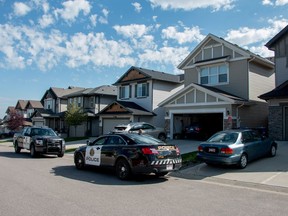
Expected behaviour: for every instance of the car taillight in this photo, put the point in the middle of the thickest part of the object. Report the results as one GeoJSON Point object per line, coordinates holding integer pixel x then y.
{"type": "Point", "coordinates": [198, 129]}
{"type": "Point", "coordinates": [200, 148]}
{"type": "Point", "coordinates": [149, 151]}
{"type": "Point", "coordinates": [226, 151]}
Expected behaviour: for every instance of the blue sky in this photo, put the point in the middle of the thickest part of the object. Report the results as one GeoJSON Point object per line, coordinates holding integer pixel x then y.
{"type": "Point", "coordinates": [88, 43]}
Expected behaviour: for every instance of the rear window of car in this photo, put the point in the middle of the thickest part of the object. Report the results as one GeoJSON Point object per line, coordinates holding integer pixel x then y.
{"type": "Point", "coordinates": [120, 128]}
{"type": "Point", "coordinates": [144, 139]}
{"type": "Point", "coordinates": [224, 137]}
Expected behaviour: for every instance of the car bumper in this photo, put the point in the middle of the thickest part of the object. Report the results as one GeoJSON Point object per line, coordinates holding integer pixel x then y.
{"type": "Point", "coordinates": [50, 149]}
{"type": "Point", "coordinates": [158, 166]}
{"type": "Point", "coordinates": [230, 160]}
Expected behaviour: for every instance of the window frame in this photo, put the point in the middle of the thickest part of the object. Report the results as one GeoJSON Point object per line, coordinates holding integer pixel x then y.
{"type": "Point", "coordinates": [213, 74]}
{"type": "Point", "coordinates": [125, 95]}
{"type": "Point", "coordinates": [143, 90]}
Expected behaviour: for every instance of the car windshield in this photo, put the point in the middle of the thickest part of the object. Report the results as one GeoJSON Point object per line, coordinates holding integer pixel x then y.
{"type": "Point", "coordinates": [144, 139]}
{"type": "Point", "coordinates": [43, 132]}
{"type": "Point", "coordinates": [224, 137]}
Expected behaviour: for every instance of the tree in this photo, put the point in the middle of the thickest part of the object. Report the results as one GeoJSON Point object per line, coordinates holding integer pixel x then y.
{"type": "Point", "coordinates": [15, 121]}
{"type": "Point", "coordinates": [75, 116]}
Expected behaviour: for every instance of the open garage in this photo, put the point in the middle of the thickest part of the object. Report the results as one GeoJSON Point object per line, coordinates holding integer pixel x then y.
{"type": "Point", "coordinates": [209, 123]}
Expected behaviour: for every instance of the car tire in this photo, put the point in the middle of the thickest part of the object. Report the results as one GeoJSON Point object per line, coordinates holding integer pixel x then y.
{"type": "Point", "coordinates": [79, 161]}
{"type": "Point", "coordinates": [17, 148]}
{"type": "Point", "coordinates": [273, 150]}
{"type": "Point", "coordinates": [60, 155]}
{"type": "Point", "coordinates": [160, 174]}
{"type": "Point", "coordinates": [162, 137]}
{"type": "Point", "coordinates": [33, 152]}
{"type": "Point", "coordinates": [123, 170]}
{"type": "Point", "coordinates": [243, 161]}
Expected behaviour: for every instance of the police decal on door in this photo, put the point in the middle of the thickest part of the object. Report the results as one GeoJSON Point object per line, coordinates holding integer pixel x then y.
{"type": "Point", "coordinates": [93, 155]}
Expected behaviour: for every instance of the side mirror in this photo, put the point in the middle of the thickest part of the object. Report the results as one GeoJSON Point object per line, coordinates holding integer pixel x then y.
{"type": "Point", "coordinates": [88, 142]}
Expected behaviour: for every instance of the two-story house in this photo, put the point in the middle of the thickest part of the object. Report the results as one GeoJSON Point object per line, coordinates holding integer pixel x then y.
{"type": "Point", "coordinates": [20, 108]}
{"type": "Point", "coordinates": [278, 97]}
{"type": "Point", "coordinates": [91, 101]}
{"type": "Point", "coordinates": [140, 91]}
{"type": "Point", "coordinates": [31, 106]}
{"type": "Point", "coordinates": [222, 84]}
{"type": "Point", "coordinates": [54, 106]}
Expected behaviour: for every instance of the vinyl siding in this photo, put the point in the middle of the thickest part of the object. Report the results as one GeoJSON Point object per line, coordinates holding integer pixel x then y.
{"type": "Point", "coordinates": [281, 70]}
{"type": "Point", "coordinates": [261, 80]}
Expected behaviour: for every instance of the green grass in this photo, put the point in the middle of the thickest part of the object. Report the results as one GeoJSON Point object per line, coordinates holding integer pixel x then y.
{"type": "Point", "coordinates": [189, 158]}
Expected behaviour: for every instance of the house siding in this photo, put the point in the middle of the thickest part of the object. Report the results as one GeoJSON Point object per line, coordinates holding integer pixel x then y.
{"type": "Point", "coordinates": [282, 69]}
{"type": "Point", "coordinates": [275, 125]}
{"type": "Point", "coordinates": [260, 81]}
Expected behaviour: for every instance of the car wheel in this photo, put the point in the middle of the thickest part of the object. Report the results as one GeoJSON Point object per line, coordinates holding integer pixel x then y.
{"type": "Point", "coordinates": [33, 153]}
{"type": "Point", "coordinates": [273, 150]}
{"type": "Point", "coordinates": [123, 171]}
{"type": "Point", "coordinates": [79, 161]}
{"type": "Point", "coordinates": [243, 161]}
{"type": "Point", "coordinates": [60, 155]}
{"type": "Point", "coordinates": [162, 137]}
{"type": "Point", "coordinates": [161, 174]}
{"type": "Point", "coordinates": [17, 148]}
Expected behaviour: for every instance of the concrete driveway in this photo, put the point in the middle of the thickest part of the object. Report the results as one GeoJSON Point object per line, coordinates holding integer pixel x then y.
{"type": "Point", "coordinates": [266, 171]}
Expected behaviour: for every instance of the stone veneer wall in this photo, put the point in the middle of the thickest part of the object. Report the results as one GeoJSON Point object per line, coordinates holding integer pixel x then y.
{"type": "Point", "coordinates": [275, 125]}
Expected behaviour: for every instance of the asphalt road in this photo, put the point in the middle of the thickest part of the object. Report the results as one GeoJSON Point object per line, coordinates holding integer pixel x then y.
{"type": "Point", "coordinates": [52, 186]}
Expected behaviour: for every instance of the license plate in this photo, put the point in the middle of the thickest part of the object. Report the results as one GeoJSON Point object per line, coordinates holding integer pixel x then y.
{"type": "Point", "coordinates": [169, 167]}
{"type": "Point", "coordinates": [212, 150]}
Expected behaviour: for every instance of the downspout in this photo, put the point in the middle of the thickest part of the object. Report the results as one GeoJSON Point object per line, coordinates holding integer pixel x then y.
{"type": "Point", "coordinates": [237, 115]}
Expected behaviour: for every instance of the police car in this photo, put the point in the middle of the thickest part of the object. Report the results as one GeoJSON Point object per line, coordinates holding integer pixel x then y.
{"type": "Point", "coordinates": [129, 154]}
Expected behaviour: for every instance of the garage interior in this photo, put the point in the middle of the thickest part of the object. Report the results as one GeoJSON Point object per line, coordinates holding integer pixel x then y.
{"type": "Point", "coordinates": [211, 122]}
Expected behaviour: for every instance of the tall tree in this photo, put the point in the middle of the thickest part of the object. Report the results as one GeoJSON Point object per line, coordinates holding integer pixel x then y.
{"type": "Point", "coordinates": [75, 116]}
{"type": "Point", "coordinates": [15, 120]}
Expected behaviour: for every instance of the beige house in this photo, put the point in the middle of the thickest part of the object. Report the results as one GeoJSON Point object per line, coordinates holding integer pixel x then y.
{"type": "Point", "coordinates": [140, 91]}
{"type": "Point", "coordinates": [278, 97]}
{"type": "Point", "coordinates": [221, 82]}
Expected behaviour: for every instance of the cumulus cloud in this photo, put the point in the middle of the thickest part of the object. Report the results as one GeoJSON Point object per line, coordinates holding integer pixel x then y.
{"type": "Point", "coordinates": [216, 5]}
{"type": "Point", "coordinates": [275, 2]}
{"type": "Point", "coordinates": [46, 20]}
{"type": "Point", "coordinates": [132, 31]}
{"type": "Point", "coordinates": [93, 19]}
{"type": "Point", "coordinates": [21, 9]}
{"type": "Point", "coordinates": [104, 19]}
{"type": "Point", "coordinates": [137, 6]}
{"type": "Point", "coordinates": [72, 8]}
{"type": "Point", "coordinates": [189, 35]}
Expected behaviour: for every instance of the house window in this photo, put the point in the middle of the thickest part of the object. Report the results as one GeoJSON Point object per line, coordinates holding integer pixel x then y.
{"type": "Point", "coordinates": [142, 90]}
{"type": "Point", "coordinates": [79, 102]}
{"type": "Point", "coordinates": [125, 92]}
{"type": "Point", "coordinates": [91, 99]}
{"type": "Point", "coordinates": [70, 101]}
{"type": "Point", "coordinates": [214, 75]}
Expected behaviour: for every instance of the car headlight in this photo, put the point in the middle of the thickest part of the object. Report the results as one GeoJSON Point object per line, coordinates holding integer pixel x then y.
{"type": "Point", "coordinates": [39, 142]}
{"type": "Point", "coordinates": [63, 142]}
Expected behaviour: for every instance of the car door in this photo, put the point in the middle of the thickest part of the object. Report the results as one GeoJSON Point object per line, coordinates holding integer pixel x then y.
{"type": "Point", "coordinates": [26, 138]}
{"type": "Point", "coordinates": [111, 149]}
{"type": "Point", "coordinates": [93, 152]}
{"type": "Point", "coordinates": [149, 129]}
{"type": "Point", "coordinates": [250, 144]}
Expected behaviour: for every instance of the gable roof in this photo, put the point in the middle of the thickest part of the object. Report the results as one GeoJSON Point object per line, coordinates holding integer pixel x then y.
{"type": "Point", "coordinates": [279, 92]}
{"type": "Point", "coordinates": [278, 36]}
{"type": "Point", "coordinates": [100, 90]}
{"type": "Point", "coordinates": [10, 109]}
{"type": "Point", "coordinates": [34, 104]}
{"type": "Point", "coordinates": [21, 104]}
{"type": "Point", "coordinates": [126, 108]}
{"type": "Point", "coordinates": [245, 53]}
{"type": "Point", "coordinates": [152, 74]}
{"type": "Point", "coordinates": [61, 92]}
{"type": "Point", "coordinates": [212, 91]}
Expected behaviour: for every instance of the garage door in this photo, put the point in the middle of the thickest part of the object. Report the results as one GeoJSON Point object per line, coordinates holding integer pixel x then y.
{"type": "Point", "coordinates": [109, 124]}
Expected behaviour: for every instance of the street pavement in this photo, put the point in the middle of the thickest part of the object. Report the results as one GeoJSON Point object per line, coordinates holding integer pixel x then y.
{"type": "Point", "coordinates": [266, 172]}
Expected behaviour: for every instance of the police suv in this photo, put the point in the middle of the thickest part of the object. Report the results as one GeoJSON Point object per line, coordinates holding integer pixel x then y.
{"type": "Point", "coordinates": [39, 140]}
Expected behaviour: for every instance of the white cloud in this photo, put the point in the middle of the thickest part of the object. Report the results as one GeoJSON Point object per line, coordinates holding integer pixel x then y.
{"type": "Point", "coordinates": [72, 8]}
{"type": "Point", "coordinates": [193, 4]}
{"type": "Point", "coordinates": [93, 19]}
{"type": "Point", "coordinates": [276, 3]}
{"type": "Point", "coordinates": [104, 19]}
{"type": "Point", "coordinates": [132, 31]}
{"type": "Point", "coordinates": [188, 35]}
{"type": "Point", "coordinates": [21, 9]}
{"type": "Point", "coordinates": [154, 18]}
{"type": "Point", "coordinates": [137, 7]}
{"type": "Point", "coordinates": [246, 36]}
{"type": "Point", "coordinates": [46, 20]}
{"type": "Point", "coordinates": [165, 55]}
